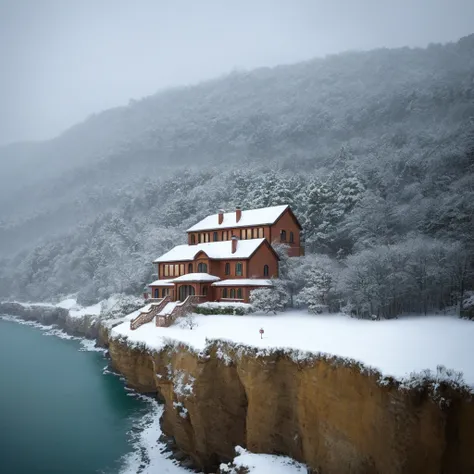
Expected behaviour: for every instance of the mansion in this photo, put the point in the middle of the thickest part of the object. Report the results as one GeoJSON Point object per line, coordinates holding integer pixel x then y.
{"type": "Point", "coordinates": [228, 254]}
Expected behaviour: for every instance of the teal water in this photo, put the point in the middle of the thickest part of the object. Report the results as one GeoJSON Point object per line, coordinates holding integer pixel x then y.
{"type": "Point", "coordinates": [59, 412]}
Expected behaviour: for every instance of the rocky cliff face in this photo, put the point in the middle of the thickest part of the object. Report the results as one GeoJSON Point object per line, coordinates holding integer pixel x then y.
{"type": "Point", "coordinates": [336, 417]}
{"type": "Point", "coordinates": [44, 314]}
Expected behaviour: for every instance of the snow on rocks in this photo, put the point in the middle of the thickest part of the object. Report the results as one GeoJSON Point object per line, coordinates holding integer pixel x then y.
{"type": "Point", "coordinates": [396, 348]}
{"type": "Point", "coordinates": [262, 464]}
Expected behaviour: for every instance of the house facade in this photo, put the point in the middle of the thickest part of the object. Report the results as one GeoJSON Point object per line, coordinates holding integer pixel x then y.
{"type": "Point", "coordinates": [227, 255]}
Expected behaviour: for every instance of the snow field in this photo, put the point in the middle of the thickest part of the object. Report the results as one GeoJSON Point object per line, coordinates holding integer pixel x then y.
{"type": "Point", "coordinates": [396, 347]}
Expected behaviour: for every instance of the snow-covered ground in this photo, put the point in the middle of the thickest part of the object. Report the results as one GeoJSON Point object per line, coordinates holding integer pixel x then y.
{"type": "Point", "coordinates": [395, 347]}
{"type": "Point", "coordinates": [263, 464]}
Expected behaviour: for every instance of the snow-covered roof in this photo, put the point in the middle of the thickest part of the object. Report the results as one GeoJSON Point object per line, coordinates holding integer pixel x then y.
{"type": "Point", "coordinates": [196, 277]}
{"type": "Point", "coordinates": [252, 217]}
{"type": "Point", "coordinates": [215, 250]}
{"type": "Point", "coordinates": [243, 282]}
{"type": "Point", "coordinates": [161, 283]}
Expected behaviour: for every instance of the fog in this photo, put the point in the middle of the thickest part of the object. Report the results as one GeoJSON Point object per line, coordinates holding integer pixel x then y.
{"type": "Point", "coordinates": [62, 61]}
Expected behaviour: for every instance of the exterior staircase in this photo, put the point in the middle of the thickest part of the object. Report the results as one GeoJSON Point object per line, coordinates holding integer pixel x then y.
{"type": "Point", "coordinates": [172, 311]}
{"type": "Point", "coordinates": [149, 312]}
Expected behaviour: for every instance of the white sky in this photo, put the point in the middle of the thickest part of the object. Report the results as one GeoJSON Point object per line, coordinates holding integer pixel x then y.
{"type": "Point", "coordinates": [62, 60]}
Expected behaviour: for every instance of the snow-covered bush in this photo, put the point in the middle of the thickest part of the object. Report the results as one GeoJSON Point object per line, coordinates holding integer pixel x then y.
{"type": "Point", "coordinates": [188, 322]}
{"type": "Point", "coordinates": [269, 299]}
{"type": "Point", "coordinates": [211, 308]}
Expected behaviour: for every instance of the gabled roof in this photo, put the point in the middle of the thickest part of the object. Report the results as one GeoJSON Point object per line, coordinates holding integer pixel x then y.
{"type": "Point", "coordinates": [214, 250]}
{"type": "Point", "coordinates": [252, 217]}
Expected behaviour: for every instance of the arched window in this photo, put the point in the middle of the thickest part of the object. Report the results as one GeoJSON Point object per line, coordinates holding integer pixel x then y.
{"type": "Point", "coordinates": [190, 268]}
{"type": "Point", "coordinates": [239, 293]}
{"type": "Point", "coordinates": [283, 235]}
{"type": "Point", "coordinates": [232, 293]}
{"type": "Point", "coordinates": [193, 239]}
{"type": "Point", "coordinates": [292, 238]}
{"type": "Point", "coordinates": [224, 292]}
{"type": "Point", "coordinates": [202, 267]}
{"type": "Point", "coordinates": [227, 268]}
{"type": "Point", "coordinates": [157, 293]}
{"type": "Point", "coordinates": [163, 292]}
{"type": "Point", "coordinates": [265, 270]}
{"type": "Point", "coordinates": [215, 236]}
{"type": "Point", "coordinates": [238, 269]}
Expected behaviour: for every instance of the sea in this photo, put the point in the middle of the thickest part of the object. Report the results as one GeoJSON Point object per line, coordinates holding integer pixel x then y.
{"type": "Point", "coordinates": [63, 411]}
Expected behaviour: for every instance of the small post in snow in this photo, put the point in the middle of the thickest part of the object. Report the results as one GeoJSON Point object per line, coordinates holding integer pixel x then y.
{"type": "Point", "coordinates": [261, 333]}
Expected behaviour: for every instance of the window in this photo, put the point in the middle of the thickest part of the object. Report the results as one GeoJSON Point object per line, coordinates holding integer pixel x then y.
{"type": "Point", "coordinates": [238, 269]}
{"type": "Point", "coordinates": [199, 238]}
{"type": "Point", "coordinates": [260, 232]}
{"type": "Point", "coordinates": [181, 269]}
{"type": "Point", "coordinates": [249, 233]}
{"type": "Point", "coordinates": [254, 233]}
{"type": "Point", "coordinates": [242, 234]}
{"type": "Point", "coordinates": [232, 293]}
{"type": "Point", "coordinates": [204, 291]}
{"type": "Point", "coordinates": [166, 272]}
{"type": "Point", "coordinates": [227, 268]}
{"type": "Point", "coordinates": [239, 293]}
{"type": "Point", "coordinates": [157, 293]}
{"type": "Point", "coordinates": [176, 270]}
{"type": "Point", "coordinates": [224, 292]}
{"type": "Point", "coordinates": [292, 238]}
{"type": "Point", "coordinates": [202, 267]}
{"type": "Point", "coordinates": [224, 235]}
{"type": "Point", "coordinates": [215, 237]}
{"type": "Point", "coordinates": [265, 270]}
{"type": "Point", "coordinates": [163, 292]}
{"type": "Point", "coordinates": [172, 270]}
{"type": "Point", "coordinates": [193, 239]}
{"type": "Point", "coordinates": [283, 235]}
{"type": "Point", "coordinates": [190, 268]}
{"type": "Point", "coordinates": [206, 237]}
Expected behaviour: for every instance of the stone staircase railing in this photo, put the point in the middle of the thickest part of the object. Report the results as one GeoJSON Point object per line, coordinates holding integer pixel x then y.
{"type": "Point", "coordinates": [147, 316]}
{"type": "Point", "coordinates": [180, 309]}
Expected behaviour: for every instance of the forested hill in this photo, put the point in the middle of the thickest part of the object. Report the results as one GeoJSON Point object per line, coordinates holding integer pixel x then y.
{"type": "Point", "coordinates": [371, 148]}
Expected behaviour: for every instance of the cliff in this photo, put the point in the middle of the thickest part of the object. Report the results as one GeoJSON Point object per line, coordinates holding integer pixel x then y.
{"type": "Point", "coordinates": [333, 414]}
{"type": "Point", "coordinates": [336, 416]}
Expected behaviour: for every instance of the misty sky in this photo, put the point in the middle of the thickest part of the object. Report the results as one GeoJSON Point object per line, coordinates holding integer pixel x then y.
{"type": "Point", "coordinates": [62, 60]}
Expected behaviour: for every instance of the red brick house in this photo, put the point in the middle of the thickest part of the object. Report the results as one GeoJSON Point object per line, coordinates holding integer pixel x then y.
{"type": "Point", "coordinates": [228, 255]}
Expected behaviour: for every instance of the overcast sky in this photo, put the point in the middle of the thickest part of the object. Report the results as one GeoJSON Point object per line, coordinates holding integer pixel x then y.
{"type": "Point", "coordinates": [62, 60]}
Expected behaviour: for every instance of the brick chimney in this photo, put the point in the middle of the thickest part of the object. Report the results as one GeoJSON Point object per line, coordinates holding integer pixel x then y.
{"type": "Point", "coordinates": [234, 243]}
{"type": "Point", "coordinates": [220, 216]}
{"type": "Point", "coordinates": [238, 214]}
